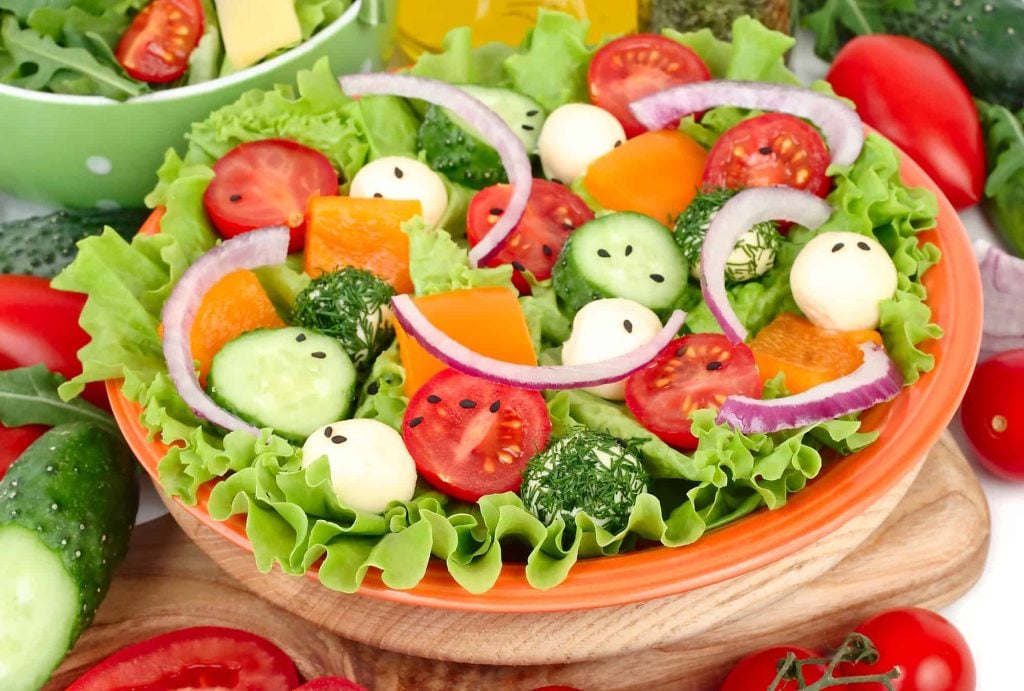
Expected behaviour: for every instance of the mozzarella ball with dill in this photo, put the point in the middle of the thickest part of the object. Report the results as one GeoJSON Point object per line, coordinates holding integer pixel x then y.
{"type": "Point", "coordinates": [351, 305]}
{"type": "Point", "coordinates": [586, 471]}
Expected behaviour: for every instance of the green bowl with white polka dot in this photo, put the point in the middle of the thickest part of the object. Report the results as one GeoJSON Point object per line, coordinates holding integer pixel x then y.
{"type": "Point", "coordinates": [89, 151]}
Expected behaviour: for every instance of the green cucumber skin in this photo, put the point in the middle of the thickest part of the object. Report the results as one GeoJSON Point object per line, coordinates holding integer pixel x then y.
{"type": "Point", "coordinates": [44, 245]}
{"type": "Point", "coordinates": [458, 155]}
{"type": "Point", "coordinates": [75, 487]}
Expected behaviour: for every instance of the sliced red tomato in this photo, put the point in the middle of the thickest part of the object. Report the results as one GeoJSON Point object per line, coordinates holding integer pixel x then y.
{"type": "Point", "coordinates": [331, 684]}
{"type": "Point", "coordinates": [993, 414]}
{"type": "Point", "coordinates": [767, 150]}
{"type": "Point", "coordinates": [156, 46]}
{"type": "Point", "coordinates": [631, 67]}
{"type": "Point", "coordinates": [693, 372]}
{"type": "Point", "coordinates": [267, 182]}
{"type": "Point", "coordinates": [200, 658]}
{"type": "Point", "coordinates": [758, 670]}
{"type": "Point", "coordinates": [470, 437]}
{"type": "Point", "coordinates": [14, 441]}
{"type": "Point", "coordinates": [552, 213]}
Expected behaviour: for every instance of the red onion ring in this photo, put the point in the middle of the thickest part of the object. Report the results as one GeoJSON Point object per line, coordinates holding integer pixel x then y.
{"type": "Point", "coordinates": [1002, 283]}
{"type": "Point", "coordinates": [748, 208]}
{"type": "Point", "coordinates": [459, 357]}
{"type": "Point", "coordinates": [875, 381]}
{"type": "Point", "coordinates": [249, 250]}
{"type": "Point", "coordinates": [491, 128]}
{"type": "Point", "coordinates": [842, 127]}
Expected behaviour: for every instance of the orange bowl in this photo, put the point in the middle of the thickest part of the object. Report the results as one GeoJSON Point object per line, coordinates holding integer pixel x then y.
{"type": "Point", "coordinates": [909, 426]}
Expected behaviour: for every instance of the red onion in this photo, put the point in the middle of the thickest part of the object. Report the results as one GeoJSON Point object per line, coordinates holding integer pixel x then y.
{"type": "Point", "coordinates": [875, 381]}
{"type": "Point", "coordinates": [459, 357]}
{"type": "Point", "coordinates": [748, 208]}
{"type": "Point", "coordinates": [249, 250]}
{"type": "Point", "coordinates": [491, 128]}
{"type": "Point", "coordinates": [842, 127]}
{"type": "Point", "coordinates": [1002, 282]}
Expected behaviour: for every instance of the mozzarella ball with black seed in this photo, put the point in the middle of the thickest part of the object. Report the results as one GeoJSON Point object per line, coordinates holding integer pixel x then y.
{"type": "Point", "coordinates": [573, 137]}
{"type": "Point", "coordinates": [839, 278]}
{"type": "Point", "coordinates": [370, 466]}
{"type": "Point", "coordinates": [400, 177]}
{"type": "Point", "coordinates": [608, 328]}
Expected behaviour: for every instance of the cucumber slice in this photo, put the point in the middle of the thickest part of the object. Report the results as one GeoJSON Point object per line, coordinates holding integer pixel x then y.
{"type": "Point", "coordinates": [621, 255]}
{"type": "Point", "coordinates": [293, 380]}
{"type": "Point", "coordinates": [38, 594]}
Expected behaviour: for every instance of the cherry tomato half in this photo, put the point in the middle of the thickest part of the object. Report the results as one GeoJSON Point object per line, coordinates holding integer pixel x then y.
{"type": "Point", "coordinates": [766, 150]}
{"type": "Point", "coordinates": [552, 213]}
{"type": "Point", "coordinates": [156, 46]}
{"type": "Point", "coordinates": [908, 92]}
{"type": "Point", "coordinates": [693, 372]}
{"type": "Point", "coordinates": [631, 67]}
{"type": "Point", "coordinates": [201, 657]}
{"type": "Point", "coordinates": [930, 652]}
{"type": "Point", "coordinates": [758, 670]}
{"type": "Point", "coordinates": [331, 684]}
{"type": "Point", "coordinates": [992, 413]}
{"type": "Point", "coordinates": [470, 437]}
{"type": "Point", "coordinates": [267, 183]}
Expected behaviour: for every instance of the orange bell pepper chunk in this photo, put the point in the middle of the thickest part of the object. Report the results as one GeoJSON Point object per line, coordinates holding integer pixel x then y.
{"type": "Point", "coordinates": [807, 354]}
{"type": "Point", "coordinates": [362, 233]}
{"type": "Point", "coordinates": [151, 226]}
{"type": "Point", "coordinates": [656, 173]}
{"type": "Point", "coordinates": [487, 320]}
{"type": "Point", "coordinates": [235, 304]}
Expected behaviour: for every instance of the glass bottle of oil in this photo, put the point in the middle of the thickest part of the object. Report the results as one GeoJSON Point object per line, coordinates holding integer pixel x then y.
{"type": "Point", "coordinates": [423, 23]}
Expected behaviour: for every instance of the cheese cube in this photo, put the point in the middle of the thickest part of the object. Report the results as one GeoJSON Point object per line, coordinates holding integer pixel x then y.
{"type": "Point", "coordinates": [252, 31]}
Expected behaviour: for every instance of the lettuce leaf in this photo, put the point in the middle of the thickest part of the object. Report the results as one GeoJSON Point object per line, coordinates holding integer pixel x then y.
{"type": "Point", "coordinates": [438, 264]}
{"type": "Point", "coordinates": [756, 53]}
{"type": "Point", "coordinates": [460, 63]}
{"type": "Point", "coordinates": [552, 68]}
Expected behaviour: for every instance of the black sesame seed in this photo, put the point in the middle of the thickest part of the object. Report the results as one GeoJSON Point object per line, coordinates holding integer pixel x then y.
{"type": "Point", "coordinates": [300, 338]}
{"type": "Point", "coordinates": [657, 278]}
{"type": "Point", "coordinates": [681, 352]}
{"type": "Point", "coordinates": [531, 113]}
{"type": "Point", "coordinates": [415, 421]}
{"type": "Point", "coordinates": [518, 266]}
{"type": "Point", "coordinates": [398, 173]}
{"type": "Point", "coordinates": [433, 398]}
{"type": "Point", "coordinates": [764, 150]}
{"type": "Point", "coordinates": [496, 211]}
{"type": "Point", "coordinates": [373, 388]}
{"type": "Point", "coordinates": [466, 403]}
{"type": "Point", "coordinates": [328, 432]}
{"type": "Point", "coordinates": [378, 195]}
{"type": "Point", "coordinates": [568, 225]}
{"type": "Point", "coordinates": [604, 253]}
{"type": "Point", "coordinates": [715, 365]}
{"type": "Point", "coordinates": [495, 406]}
{"type": "Point", "coordinates": [557, 180]}
{"type": "Point", "coordinates": [235, 198]}
{"type": "Point", "coordinates": [618, 143]}
{"type": "Point", "coordinates": [836, 247]}
{"type": "Point", "coordinates": [627, 325]}
{"type": "Point", "coordinates": [548, 252]}
{"type": "Point", "coordinates": [528, 128]}
{"type": "Point", "coordinates": [338, 439]}
{"type": "Point", "coordinates": [319, 355]}
{"type": "Point", "coordinates": [629, 250]}
{"type": "Point", "coordinates": [864, 246]}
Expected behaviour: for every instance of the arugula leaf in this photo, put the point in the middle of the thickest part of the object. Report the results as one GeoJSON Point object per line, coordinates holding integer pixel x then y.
{"type": "Point", "coordinates": [28, 396]}
{"type": "Point", "coordinates": [1004, 189]}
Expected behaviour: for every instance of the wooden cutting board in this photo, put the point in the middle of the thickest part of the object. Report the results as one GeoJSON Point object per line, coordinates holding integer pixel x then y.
{"type": "Point", "coordinates": [923, 545]}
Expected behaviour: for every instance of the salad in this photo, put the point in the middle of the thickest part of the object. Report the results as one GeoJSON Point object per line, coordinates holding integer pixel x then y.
{"type": "Point", "coordinates": [125, 48]}
{"type": "Point", "coordinates": [589, 298]}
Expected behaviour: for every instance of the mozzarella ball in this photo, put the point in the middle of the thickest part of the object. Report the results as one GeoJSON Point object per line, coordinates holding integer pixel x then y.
{"type": "Point", "coordinates": [838, 279]}
{"type": "Point", "coordinates": [399, 177]}
{"type": "Point", "coordinates": [608, 328]}
{"type": "Point", "coordinates": [370, 466]}
{"type": "Point", "coordinates": [575, 135]}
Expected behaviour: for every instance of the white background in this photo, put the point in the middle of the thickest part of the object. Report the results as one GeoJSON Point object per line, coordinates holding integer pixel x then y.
{"type": "Point", "coordinates": [991, 615]}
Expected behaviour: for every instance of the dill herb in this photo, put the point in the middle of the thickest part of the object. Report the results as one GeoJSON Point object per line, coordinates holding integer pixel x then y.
{"type": "Point", "coordinates": [589, 471]}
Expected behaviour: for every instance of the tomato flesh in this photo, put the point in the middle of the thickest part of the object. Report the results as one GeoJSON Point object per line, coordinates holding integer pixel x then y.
{"type": "Point", "coordinates": [758, 670]}
{"type": "Point", "coordinates": [267, 182]}
{"type": "Point", "coordinates": [768, 150]}
{"type": "Point", "coordinates": [930, 652]}
{"type": "Point", "coordinates": [330, 684]}
{"type": "Point", "coordinates": [202, 657]}
{"type": "Point", "coordinates": [471, 437]}
{"type": "Point", "coordinates": [635, 66]}
{"type": "Point", "coordinates": [693, 372]}
{"type": "Point", "coordinates": [992, 413]}
{"type": "Point", "coordinates": [552, 213]}
{"type": "Point", "coordinates": [156, 47]}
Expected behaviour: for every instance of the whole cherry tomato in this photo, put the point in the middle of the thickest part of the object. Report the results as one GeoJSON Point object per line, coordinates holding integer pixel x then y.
{"type": "Point", "coordinates": [757, 671]}
{"type": "Point", "coordinates": [992, 413]}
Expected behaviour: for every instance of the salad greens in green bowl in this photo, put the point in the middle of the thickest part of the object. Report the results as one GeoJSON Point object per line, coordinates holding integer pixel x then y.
{"type": "Point", "coordinates": [80, 130]}
{"type": "Point", "coordinates": [462, 331]}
